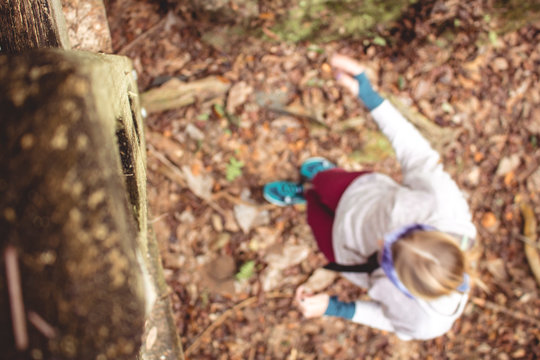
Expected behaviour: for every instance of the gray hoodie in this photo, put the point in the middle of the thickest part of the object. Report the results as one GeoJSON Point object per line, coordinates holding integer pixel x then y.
{"type": "Point", "coordinates": [374, 205]}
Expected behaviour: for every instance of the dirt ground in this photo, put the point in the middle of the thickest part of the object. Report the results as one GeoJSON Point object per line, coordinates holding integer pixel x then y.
{"type": "Point", "coordinates": [233, 261]}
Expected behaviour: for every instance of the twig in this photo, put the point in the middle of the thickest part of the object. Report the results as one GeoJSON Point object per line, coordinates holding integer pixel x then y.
{"type": "Point", "coordinates": [141, 37]}
{"type": "Point", "coordinates": [235, 200]}
{"type": "Point", "coordinates": [44, 327]}
{"type": "Point", "coordinates": [296, 112]}
{"type": "Point", "coordinates": [245, 303]}
{"type": "Point", "coordinates": [157, 218]}
{"type": "Point", "coordinates": [528, 241]}
{"type": "Point", "coordinates": [501, 309]}
{"type": "Point", "coordinates": [13, 278]}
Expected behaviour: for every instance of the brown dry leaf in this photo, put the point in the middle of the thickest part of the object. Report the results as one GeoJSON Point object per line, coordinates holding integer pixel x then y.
{"type": "Point", "coordinates": [238, 95]}
{"type": "Point", "coordinates": [320, 280]}
{"type": "Point", "coordinates": [509, 178]}
{"type": "Point", "coordinates": [489, 220]}
{"type": "Point", "coordinates": [508, 164]}
{"type": "Point", "coordinates": [478, 156]}
{"type": "Point", "coordinates": [497, 269]}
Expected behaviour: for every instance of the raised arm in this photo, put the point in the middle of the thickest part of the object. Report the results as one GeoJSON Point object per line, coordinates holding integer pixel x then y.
{"type": "Point", "coordinates": [413, 152]}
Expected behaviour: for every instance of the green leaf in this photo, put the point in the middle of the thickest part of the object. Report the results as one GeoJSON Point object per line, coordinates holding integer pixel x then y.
{"type": "Point", "coordinates": [246, 270]}
{"type": "Point", "coordinates": [534, 141]}
{"type": "Point", "coordinates": [203, 117]}
{"type": "Point", "coordinates": [315, 48]}
{"type": "Point", "coordinates": [379, 41]}
{"type": "Point", "coordinates": [446, 107]}
{"type": "Point", "coordinates": [401, 82]}
{"type": "Point", "coordinates": [493, 37]}
{"type": "Point", "coordinates": [234, 169]}
{"type": "Point", "coordinates": [220, 111]}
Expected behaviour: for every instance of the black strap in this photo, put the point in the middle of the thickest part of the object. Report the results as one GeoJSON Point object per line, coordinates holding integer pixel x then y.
{"type": "Point", "coordinates": [371, 265]}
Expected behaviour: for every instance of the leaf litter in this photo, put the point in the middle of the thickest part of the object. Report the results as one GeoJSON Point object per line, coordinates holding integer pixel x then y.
{"type": "Point", "coordinates": [278, 105]}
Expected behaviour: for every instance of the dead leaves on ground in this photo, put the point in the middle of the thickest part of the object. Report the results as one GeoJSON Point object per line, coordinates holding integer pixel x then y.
{"type": "Point", "coordinates": [266, 108]}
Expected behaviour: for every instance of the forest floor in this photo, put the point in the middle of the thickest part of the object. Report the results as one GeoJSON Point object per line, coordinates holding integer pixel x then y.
{"type": "Point", "coordinates": [233, 261]}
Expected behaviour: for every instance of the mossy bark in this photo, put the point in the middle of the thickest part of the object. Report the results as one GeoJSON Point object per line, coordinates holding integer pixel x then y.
{"type": "Point", "coordinates": [73, 204]}
{"type": "Point", "coordinates": [29, 24]}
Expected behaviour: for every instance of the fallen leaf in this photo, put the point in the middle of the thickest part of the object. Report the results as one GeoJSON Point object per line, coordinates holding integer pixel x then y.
{"type": "Point", "coordinates": [509, 178]}
{"type": "Point", "coordinates": [289, 255]}
{"type": "Point", "coordinates": [200, 185]}
{"type": "Point", "coordinates": [194, 132]}
{"type": "Point", "coordinates": [473, 178]}
{"type": "Point", "coordinates": [489, 220]}
{"type": "Point", "coordinates": [245, 215]}
{"type": "Point", "coordinates": [507, 164]}
{"type": "Point", "coordinates": [151, 338]}
{"type": "Point", "coordinates": [238, 95]}
{"type": "Point", "coordinates": [271, 278]}
{"type": "Point", "coordinates": [497, 269]}
{"type": "Point", "coordinates": [320, 280]}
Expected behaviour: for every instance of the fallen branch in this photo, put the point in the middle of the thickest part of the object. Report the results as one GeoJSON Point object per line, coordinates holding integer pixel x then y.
{"type": "Point", "coordinates": [529, 233]}
{"type": "Point", "coordinates": [298, 112]}
{"type": "Point", "coordinates": [175, 94]}
{"type": "Point", "coordinates": [486, 304]}
{"type": "Point", "coordinates": [225, 315]}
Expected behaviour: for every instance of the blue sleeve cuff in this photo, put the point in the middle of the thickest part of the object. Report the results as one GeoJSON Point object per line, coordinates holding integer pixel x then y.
{"type": "Point", "coordinates": [369, 97]}
{"type": "Point", "coordinates": [339, 308]}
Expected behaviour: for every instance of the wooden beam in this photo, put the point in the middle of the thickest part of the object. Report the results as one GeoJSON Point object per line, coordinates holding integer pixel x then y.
{"type": "Point", "coordinates": [29, 24]}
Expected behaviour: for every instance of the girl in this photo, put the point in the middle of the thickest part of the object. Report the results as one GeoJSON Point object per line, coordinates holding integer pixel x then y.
{"type": "Point", "coordinates": [403, 242]}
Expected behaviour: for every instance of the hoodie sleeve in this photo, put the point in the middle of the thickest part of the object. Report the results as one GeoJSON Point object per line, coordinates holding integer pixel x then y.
{"type": "Point", "coordinates": [413, 151]}
{"type": "Point", "coordinates": [371, 314]}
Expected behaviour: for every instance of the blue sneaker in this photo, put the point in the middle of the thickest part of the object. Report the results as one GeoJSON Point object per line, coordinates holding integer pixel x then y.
{"type": "Point", "coordinates": [313, 166]}
{"type": "Point", "coordinates": [284, 193]}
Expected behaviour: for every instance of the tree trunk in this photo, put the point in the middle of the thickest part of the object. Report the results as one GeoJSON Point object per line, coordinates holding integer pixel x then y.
{"type": "Point", "coordinates": [29, 24]}
{"type": "Point", "coordinates": [69, 151]}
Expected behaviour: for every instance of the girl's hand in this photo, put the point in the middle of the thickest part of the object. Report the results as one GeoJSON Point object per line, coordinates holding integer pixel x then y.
{"type": "Point", "coordinates": [311, 305]}
{"type": "Point", "coordinates": [346, 68]}
{"type": "Point", "coordinates": [346, 64]}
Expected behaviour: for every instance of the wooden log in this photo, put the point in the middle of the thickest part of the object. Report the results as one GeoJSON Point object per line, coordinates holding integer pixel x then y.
{"type": "Point", "coordinates": [175, 94]}
{"type": "Point", "coordinates": [29, 24]}
{"type": "Point", "coordinates": [73, 206]}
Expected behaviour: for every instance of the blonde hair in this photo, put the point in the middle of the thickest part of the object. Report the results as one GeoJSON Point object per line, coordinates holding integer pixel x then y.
{"type": "Point", "coordinates": [429, 263]}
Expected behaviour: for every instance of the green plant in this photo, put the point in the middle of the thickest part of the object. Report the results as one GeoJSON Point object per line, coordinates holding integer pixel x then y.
{"type": "Point", "coordinates": [234, 169]}
{"type": "Point", "coordinates": [246, 270]}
